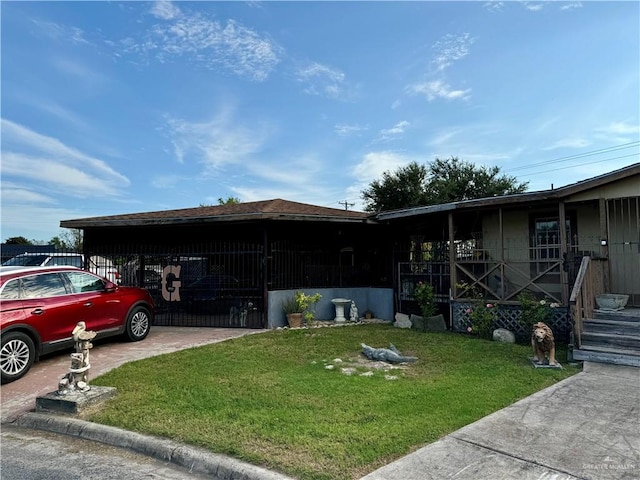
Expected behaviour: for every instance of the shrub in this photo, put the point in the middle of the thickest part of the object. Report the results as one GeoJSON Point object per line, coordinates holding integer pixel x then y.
{"type": "Point", "coordinates": [426, 298]}
{"type": "Point", "coordinates": [535, 310]}
{"type": "Point", "coordinates": [483, 319]}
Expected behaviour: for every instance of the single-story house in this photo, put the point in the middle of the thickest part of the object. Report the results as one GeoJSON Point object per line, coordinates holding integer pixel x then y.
{"type": "Point", "coordinates": [562, 246]}
{"type": "Point", "coordinates": [206, 264]}
{"type": "Point", "coordinates": [234, 264]}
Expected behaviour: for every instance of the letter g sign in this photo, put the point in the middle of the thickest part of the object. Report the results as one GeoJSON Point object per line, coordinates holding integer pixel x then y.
{"type": "Point", "coordinates": [171, 283]}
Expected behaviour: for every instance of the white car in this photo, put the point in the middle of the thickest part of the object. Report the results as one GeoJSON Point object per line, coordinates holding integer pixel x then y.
{"type": "Point", "coordinates": [99, 265]}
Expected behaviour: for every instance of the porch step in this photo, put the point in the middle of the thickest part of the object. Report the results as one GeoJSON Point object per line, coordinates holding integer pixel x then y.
{"type": "Point", "coordinates": [611, 337]}
{"type": "Point", "coordinates": [627, 315]}
{"type": "Point", "coordinates": [608, 355]}
{"type": "Point", "coordinates": [611, 327]}
{"type": "Point", "coordinates": [604, 340]}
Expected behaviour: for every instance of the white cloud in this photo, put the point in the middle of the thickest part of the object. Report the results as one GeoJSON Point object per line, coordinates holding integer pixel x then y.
{"type": "Point", "coordinates": [19, 194]}
{"type": "Point", "coordinates": [370, 168]}
{"type": "Point", "coordinates": [443, 137]}
{"type": "Point", "coordinates": [374, 164]}
{"type": "Point", "coordinates": [214, 143]}
{"type": "Point", "coordinates": [571, 5]}
{"type": "Point", "coordinates": [620, 128]}
{"type": "Point", "coordinates": [451, 48]}
{"type": "Point", "coordinates": [394, 132]}
{"type": "Point", "coordinates": [618, 133]}
{"type": "Point", "coordinates": [533, 7]}
{"type": "Point", "coordinates": [48, 106]}
{"type": "Point", "coordinates": [206, 42]}
{"type": "Point", "coordinates": [62, 32]}
{"type": "Point", "coordinates": [301, 170]}
{"type": "Point", "coordinates": [71, 180]}
{"type": "Point", "coordinates": [345, 130]}
{"type": "Point", "coordinates": [571, 142]}
{"type": "Point", "coordinates": [397, 129]}
{"type": "Point", "coordinates": [30, 156]}
{"type": "Point", "coordinates": [321, 80]}
{"type": "Point", "coordinates": [493, 6]}
{"type": "Point", "coordinates": [438, 89]}
{"type": "Point", "coordinates": [165, 10]}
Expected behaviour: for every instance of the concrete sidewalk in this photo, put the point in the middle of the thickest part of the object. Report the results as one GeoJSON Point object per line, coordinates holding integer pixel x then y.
{"type": "Point", "coordinates": [585, 427]}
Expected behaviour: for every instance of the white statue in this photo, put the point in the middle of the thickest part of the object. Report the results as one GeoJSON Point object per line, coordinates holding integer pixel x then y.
{"type": "Point", "coordinates": [353, 312]}
{"type": "Point", "coordinates": [78, 376]}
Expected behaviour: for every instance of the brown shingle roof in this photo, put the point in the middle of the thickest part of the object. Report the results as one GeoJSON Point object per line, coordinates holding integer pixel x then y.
{"type": "Point", "coordinates": [276, 209]}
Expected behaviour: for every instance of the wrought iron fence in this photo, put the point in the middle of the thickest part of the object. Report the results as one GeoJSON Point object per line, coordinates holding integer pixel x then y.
{"type": "Point", "coordinates": [224, 284]}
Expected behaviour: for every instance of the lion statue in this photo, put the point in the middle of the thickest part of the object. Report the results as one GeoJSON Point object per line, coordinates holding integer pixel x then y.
{"type": "Point", "coordinates": [543, 344]}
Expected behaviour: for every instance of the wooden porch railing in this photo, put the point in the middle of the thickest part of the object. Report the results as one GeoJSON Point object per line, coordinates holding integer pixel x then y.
{"type": "Point", "coordinates": [589, 283]}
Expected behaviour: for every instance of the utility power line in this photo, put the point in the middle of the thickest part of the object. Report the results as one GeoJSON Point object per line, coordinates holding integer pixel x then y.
{"type": "Point", "coordinates": [591, 153]}
{"type": "Point", "coordinates": [581, 164]}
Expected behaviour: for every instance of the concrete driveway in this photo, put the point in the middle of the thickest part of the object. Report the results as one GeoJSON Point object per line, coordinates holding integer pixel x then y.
{"type": "Point", "coordinates": [584, 427]}
{"type": "Point", "coordinates": [20, 396]}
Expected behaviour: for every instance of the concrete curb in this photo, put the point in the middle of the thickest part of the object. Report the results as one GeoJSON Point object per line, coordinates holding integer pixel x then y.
{"type": "Point", "coordinates": [194, 459]}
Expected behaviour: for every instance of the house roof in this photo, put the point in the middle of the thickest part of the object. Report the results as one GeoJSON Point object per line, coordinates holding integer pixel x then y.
{"type": "Point", "coordinates": [520, 198]}
{"type": "Point", "coordinates": [279, 210]}
{"type": "Point", "coordinates": [276, 209]}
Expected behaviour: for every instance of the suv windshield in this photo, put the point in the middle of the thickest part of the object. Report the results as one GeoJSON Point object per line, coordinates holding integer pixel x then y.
{"type": "Point", "coordinates": [27, 260]}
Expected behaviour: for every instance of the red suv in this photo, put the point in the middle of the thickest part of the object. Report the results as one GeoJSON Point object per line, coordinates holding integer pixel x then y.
{"type": "Point", "coordinates": [40, 306]}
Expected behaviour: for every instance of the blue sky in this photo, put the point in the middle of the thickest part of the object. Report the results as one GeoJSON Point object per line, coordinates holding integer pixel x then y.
{"type": "Point", "coordinates": [119, 107]}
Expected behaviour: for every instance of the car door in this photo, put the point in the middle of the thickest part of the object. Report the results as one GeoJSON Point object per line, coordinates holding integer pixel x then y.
{"type": "Point", "coordinates": [100, 309]}
{"type": "Point", "coordinates": [48, 307]}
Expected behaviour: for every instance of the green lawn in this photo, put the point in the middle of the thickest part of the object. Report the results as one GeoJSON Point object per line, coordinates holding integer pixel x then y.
{"type": "Point", "coordinates": [271, 400]}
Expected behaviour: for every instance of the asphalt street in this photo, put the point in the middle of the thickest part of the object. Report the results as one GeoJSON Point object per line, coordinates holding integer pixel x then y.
{"type": "Point", "coordinates": [38, 455]}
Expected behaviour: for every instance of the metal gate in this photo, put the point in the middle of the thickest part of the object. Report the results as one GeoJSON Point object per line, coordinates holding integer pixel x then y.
{"type": "Point", "coordinates": [624, 247]}
{"type": "Point", "coordinates": [220, 286]}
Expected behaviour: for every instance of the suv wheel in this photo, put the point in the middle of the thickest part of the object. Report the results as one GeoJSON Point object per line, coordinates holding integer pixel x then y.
{"type": "Point", "coordinates": [16, 356]}
{"type": "Point", "coordinates": [138, 324]}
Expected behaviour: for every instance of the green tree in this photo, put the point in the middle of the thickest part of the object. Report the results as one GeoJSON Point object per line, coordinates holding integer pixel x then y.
{"type": "Point", "coordinates": [222, 201]}
{"type": "Point", "coordinates": [18, 241]}
{"type": "Point", "coordinates": [69, 239]}
{"type": "Point", "coordinates": [228, 201]}
{"type": "Point", "coordinates": [403, 188]}
{"type": "Point", "coordinates": [441, 181]}
{"type": "Point", "coordinates": [454, 180]}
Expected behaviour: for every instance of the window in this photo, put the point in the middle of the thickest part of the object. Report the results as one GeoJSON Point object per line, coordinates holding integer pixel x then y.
{"type": "Point", "coordinates": [11, 290]}
{"type": "Point", "coordinates": [545, 241]}
{"type": "Point", "coordinates": [84, 282]}
{"type": "Point", "coordinates": [68, 260]}
{"type": "Point", "coordinates": [42, 286]}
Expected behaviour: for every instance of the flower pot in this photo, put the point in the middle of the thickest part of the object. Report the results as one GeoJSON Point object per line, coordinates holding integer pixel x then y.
{"type": "Point", "coordinates": [294, 319]}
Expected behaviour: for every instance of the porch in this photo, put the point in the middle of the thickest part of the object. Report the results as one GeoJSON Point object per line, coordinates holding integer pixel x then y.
{"type": "Point", "coordinates": [602, 336]}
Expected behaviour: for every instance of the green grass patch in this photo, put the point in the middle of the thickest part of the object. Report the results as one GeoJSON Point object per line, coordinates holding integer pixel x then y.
{"type": "Point", "coordinates": [270, 399]}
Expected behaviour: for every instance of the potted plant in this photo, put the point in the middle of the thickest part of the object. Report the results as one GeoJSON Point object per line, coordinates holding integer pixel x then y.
{"type": "Point", "coordinates": [293, 310]}
{"type": "Point", "coordinates": [299, 306]}
{"type": "Point", "coordinates": [426, 298]}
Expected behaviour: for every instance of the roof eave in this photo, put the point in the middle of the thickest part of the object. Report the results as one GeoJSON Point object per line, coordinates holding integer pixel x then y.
{"type": "Point", "coordinates": [539, 196]}
{"type": "Point", "coordinates": [88, 223]}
